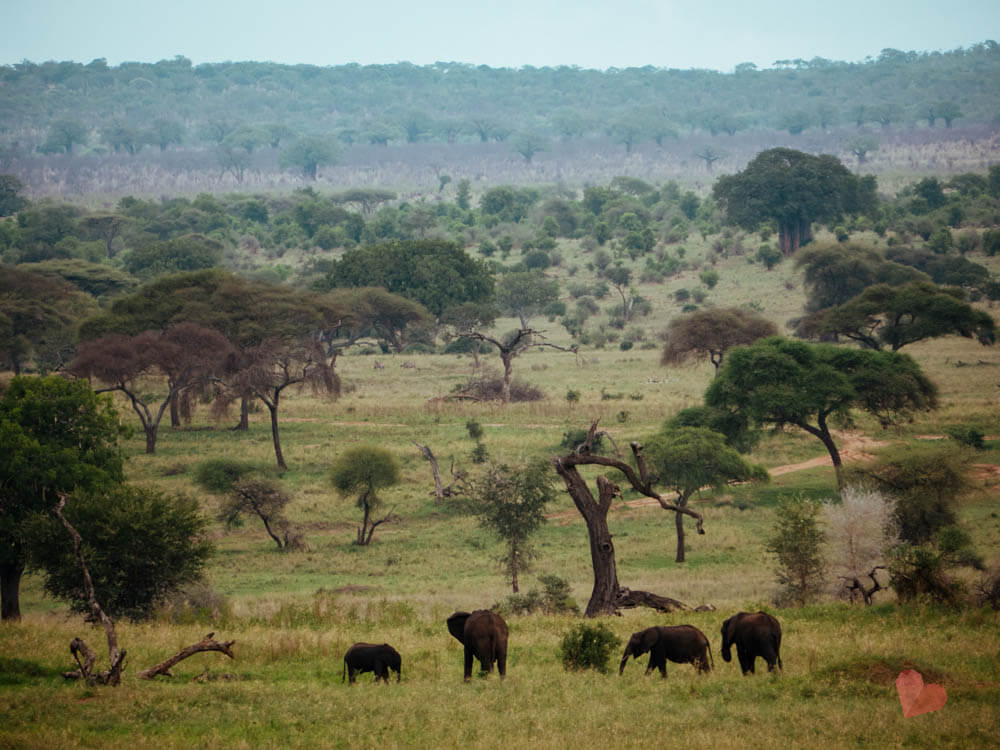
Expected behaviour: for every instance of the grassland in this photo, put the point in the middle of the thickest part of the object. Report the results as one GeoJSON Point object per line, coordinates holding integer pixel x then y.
{"type": "Point", "coordinates": [294, 614]}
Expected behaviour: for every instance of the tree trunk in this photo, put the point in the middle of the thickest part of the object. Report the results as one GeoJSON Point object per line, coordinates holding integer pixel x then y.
{"type": "Point", "coordinates": [150, 430]}
{"type": "Point", "coordinates": [679, 523]}
{"type": "Point", "coordinates": [272, 407]}
{"type": "Point", "coordinates": [10, 590]}
{"type": "Point", "coordinates": [244, 423]}
{"type": "Point", "coordinates": [175, 416]}
{"type": "Point", "coordinates": [823, 433]}
{"type": "Point", "coordinates": [604, 596]}
{"type": "Point", "coordinates": [508, 367]}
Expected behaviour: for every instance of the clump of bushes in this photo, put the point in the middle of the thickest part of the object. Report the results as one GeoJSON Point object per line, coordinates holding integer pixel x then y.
{"type": "Point", "coordinates": [490, 388]}
{"type": "Point", "coordinates": [553, 598]}
{"type": "Point", "coordinates": [219, 475]}
{"type": "Point", "coordinates": [588, 647]}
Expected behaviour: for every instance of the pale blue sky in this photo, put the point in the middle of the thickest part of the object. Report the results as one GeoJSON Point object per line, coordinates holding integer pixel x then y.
{"type": "Point", "coordinates": [588, 33]}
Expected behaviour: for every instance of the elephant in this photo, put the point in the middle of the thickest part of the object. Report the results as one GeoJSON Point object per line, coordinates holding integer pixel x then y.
{"type": "Point", "coordinates": [484, 635]}
{"type": "Point", "coordinates": [683, 644]}
{"type": "Point", "coordinates": [372, 657]}
{"type": "Point", "coordinates": [754, 634]}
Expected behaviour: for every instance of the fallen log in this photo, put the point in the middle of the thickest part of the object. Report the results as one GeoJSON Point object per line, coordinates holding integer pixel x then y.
{"type": "Point", "coordinates": [208, 643]}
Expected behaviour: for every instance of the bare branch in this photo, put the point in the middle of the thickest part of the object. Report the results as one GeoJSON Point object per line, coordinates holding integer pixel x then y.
{"type": "Point", "coordinates": [208, 643]}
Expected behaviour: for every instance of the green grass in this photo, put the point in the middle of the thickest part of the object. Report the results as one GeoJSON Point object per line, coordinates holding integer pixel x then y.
{"type": "Point", "coordinates": [294, 614]}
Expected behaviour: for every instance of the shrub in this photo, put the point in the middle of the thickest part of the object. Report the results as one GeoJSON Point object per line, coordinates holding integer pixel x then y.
{"type": "Point", "coordinates": [797, 544]}
{"type": "Point", "coordinates": [490, 388]}
{"type": "Point", "coordinates": [553, 598]}
{"type": "Point", "coordinates": [588, 647]}
{"type": "Point", "coordinates": [966, 435]}
{"type": "Point", "coordinates": [219, 475]}
{"type": "Point", "coordinates": [572, 396]}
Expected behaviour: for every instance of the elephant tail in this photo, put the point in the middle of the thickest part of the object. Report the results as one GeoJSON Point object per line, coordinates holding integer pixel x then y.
{"type": "Point", "coordinates": [711, 659]}
{"type": "Point", "coordinates": [343, 674]}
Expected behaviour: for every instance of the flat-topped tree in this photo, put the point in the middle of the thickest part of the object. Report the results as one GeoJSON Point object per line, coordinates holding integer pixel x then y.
{"type": "Point", "coordinates": [779, 382]}
{"type": "Point", "coordinates": [608, 595]}
{"type": "Point", "coordinates": [187, 355]}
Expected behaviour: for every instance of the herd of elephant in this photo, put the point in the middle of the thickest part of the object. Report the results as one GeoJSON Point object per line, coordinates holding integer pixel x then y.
{"type": "Point", "coordinates": [483, 633]}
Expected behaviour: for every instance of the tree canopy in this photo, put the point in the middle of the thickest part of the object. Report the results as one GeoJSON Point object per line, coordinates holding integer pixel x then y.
{"type": "Point", "coordinates": [56, 436]}
{"type": "Point", "coordinates": [780, 382]}
{"type": "Point", "coordinates": [711, 332]}
{"type": "Point", "coordinates": [140, 544]}
{"type": "Point", "coordinates": [436, 273]}
{"type": "Point", "coordinates": [792, 189]}
{"type": "Point", "coordinates": [895, 316]}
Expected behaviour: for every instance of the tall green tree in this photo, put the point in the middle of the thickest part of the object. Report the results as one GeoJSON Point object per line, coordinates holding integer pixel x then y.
{"type": "Point", "coordinates": [792, 189]}
{"type": "Point", "coordinates": [510, 502]}
{"type": "Point", "coordinates": [308, 154]}
{"type": "Point", "coordinates": [140, 544]}
{"type": "Point", "coordinates": [778, 382]}
{"type": "Point", "coordinates": [436, 273]}
{"type": "Point", "coordinates": [56, 436]}
{"type": "Point", "coordinates": [40, 315]}
{"type": "Point", "coordinates": [687, 459]}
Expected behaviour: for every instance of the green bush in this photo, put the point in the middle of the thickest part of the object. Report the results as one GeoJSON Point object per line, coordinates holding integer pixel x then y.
{"type": "Point", "coordinates": [588, 647]}
{"type": "Point", "coordinates": [220, 474]}
{"type": "Point", "coordinates": [966, 435]}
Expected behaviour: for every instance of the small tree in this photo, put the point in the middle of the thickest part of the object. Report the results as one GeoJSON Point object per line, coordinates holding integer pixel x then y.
{"type": "Point", "coordinates": [797, 544]}
{"type": "Point", "coordinates": [365, 470]}
{"type": "Point", "coordinates": [256, 496]}
{"type": "Point", "coordinates": [686, 459]}
{"type": "Point", "coordinates": [861, 530]}
{"type": "Point", "coordinates": [712, 332]}
{"type": "Point", "coordinates": [511, 504]}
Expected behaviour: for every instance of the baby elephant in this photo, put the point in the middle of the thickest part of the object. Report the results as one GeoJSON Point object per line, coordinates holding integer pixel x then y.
{"type": "Point", "coordinates": [683, 644]}
{"type": "Point", "coordinates": [754, 634]}
{"type": "Point", "coordinates": [372, 657]}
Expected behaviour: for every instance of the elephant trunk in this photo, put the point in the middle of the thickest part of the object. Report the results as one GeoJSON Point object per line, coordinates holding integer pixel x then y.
{"type": "Point", "coordinates": [621, 667]}
{"type": "Point", "coordinates": [725, 651]}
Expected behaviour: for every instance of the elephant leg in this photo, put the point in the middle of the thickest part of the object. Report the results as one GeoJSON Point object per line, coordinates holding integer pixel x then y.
{"type": "Point", "coordinates": [351, 675]}
{"type": "Point", "coordinates": [746, 662]}
{"type": "Point", "coordinates": [468, 663]}
{"type": "Point", "coordinates": [502, 664]}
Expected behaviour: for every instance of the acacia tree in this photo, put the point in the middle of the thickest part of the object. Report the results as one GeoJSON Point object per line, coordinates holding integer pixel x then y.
{"type": "Point", "coordinates": [712, 331]}
{"type": "Point", "coordinates": [525, 293]}
{"type": "Point", "coordinates": [56, 435]}
{"type": "Point", "coordinates": [781, 383]}
{"type": "Point", "coordinates": [39, 318]}
{"type": "Point", "coordinates": [608, 595]}
{"type": "Point", "coordinates": [188, 355]}
{"type": "Point", "coordinates": [687, 459]}
{"type": "Point", "coordinates": [793, 189]}
{"type": "Point", "coordinates": [511, 502]}
{"type": "Point", "coordinates": [266, 371]}
{"type": "Point", "coordinates": [895, 316]}
{"type": "Point", "coordinates": [256, 496]}
{"type": "Point", "coordinates": [365, 469]}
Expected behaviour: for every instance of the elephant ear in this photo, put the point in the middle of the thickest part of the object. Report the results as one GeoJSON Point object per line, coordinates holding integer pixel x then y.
{"type": "Point", "coordinates": [649, 639]}
{"type": "Point", "coordinates": [456, 625]}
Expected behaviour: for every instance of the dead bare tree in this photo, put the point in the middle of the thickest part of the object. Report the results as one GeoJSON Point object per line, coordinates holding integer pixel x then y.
{"type": "Point", "coordinates": [441, 491]}
{"type": "Point", "coordinates": [854, 585]}
{"type": "Point", "coordinates": [208, 643]}
{"type": "Point", "coordinates": [608, 596]}
{"type": "Point", "coordinates": [116, 656]}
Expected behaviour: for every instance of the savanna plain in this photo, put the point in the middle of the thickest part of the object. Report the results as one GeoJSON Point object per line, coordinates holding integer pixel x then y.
{"type": "Point", "coordinates": [293, 614]}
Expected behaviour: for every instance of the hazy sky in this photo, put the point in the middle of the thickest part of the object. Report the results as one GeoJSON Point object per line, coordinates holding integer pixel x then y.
{"type": "Point", "coordinates": [591, 34]}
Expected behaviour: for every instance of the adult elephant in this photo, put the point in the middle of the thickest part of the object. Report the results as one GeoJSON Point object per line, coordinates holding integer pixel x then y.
{"type": "Point", "coordinates": [372, 657]}
{"type": "Point", "coordinates": [754, 634]}
{"type": "Point", "coordinates": [682, 644]}
{"type": "Point", "coordinates": [484, 635]}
